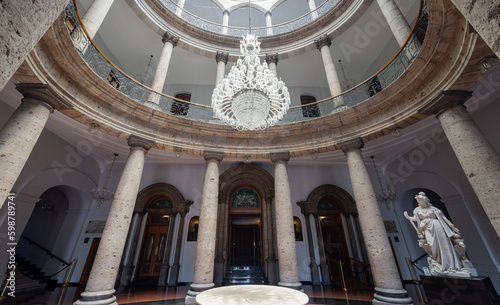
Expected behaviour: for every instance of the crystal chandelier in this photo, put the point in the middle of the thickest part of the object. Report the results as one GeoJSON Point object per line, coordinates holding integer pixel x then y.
{"type": "Point", "coordinates": [384, 196]}
{"type": "Point", "coordinates": [105, 194]}
{"type": "Point", "coordinates": [251, 97]}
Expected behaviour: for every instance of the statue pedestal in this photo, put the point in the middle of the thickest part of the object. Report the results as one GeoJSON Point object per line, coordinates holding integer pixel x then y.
{"type": "Point", "coordinates": [465, 291]}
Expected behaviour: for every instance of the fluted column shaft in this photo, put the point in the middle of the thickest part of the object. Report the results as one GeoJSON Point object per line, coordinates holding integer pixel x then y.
{"type": "Point", "coordinates": [285, 233]}
{"type": "Point", "coordinates": [312, 265]}
{"type": "Point", "coordinates": [162, 281]}
{"type": "Point", "coordinates": [95, 15]}
{"type": "Point", "coordinates": [174, 272]}
{"type": "Point", "coordinates": [100, 286]}
{"type": "Point", "coordinates": [225, 21]}
{"type": "Point", "coordinates": [205, 248]}
{"type": "Point", "coordinates": [382, 261]}
{"type": "Point", "coordinates": [21, 132]}
{"type": "Point", "coordinates": [479, 160]}
{"type": "Point", "coordinates": [396, 20]}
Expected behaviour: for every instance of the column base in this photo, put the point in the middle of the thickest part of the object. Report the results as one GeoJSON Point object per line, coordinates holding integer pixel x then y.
{"type": "Point", "coordinates": [195, 290]}
{"type": "Point", "coordinates": [97, 298]}
{"type": "Point", "coordinates": [391, 296]}
{"type": "Point", "coordinates": [296, 286]}
{"type": "Point", "coordinates": [152, 105]}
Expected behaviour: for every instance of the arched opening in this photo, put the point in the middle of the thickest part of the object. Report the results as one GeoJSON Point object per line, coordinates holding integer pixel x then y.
{"type": "Point", "coordinates": [245, 234]}
{"type": "Point", "coordinates": [331, 214]}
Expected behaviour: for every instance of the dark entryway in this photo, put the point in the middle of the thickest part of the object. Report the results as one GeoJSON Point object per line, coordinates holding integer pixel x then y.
{"type": "Point", "coordinates": [245, 250]}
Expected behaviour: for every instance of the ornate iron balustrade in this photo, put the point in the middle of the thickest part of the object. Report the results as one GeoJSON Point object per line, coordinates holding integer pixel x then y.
{"type": "Point", "coordinates": [259, 31]}
{"type": "Point", "coordinates": [168, 104]}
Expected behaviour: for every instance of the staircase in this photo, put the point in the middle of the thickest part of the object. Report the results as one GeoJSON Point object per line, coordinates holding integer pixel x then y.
{"type": "Point", "coordinates": [244, 275]}
{"type": "Point", "coordinates": [30, 278]}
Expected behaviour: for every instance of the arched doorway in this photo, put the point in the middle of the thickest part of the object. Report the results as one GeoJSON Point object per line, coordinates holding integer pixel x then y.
{"type": "Point", "coordinates": [160, 209]}
{"type": "Point", "coordinates": [245, 232]}
{"type": "Point", "coordinates": [331, 211]}
{"type": "Point", "coordinates": [245, 220]}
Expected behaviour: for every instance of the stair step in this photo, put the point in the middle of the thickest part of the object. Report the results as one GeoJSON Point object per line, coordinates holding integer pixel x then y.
{"type": "Point", "coordinates": [241, 275]}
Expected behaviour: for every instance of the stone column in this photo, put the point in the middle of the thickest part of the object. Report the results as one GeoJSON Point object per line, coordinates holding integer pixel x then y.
{"type": "Point", "coordinates": [483, 16]}
{"type": "Point", "coordinates": [397, 22]}
{"type": "Point", "coordinates": [21, 27]}
{"type": "Point", "coordinates": [180, 6]}
{"type": "Point", "coordinates": [221, 59]}
{"type": "Point", "coordinates": [323, 44]}
{"type": "Point", "coordinates": [174, 270]}
{"type": "Point", "coordinates": [205, 249]}
{"type": "Point", "coordinates": [285, 233]}
{"type": "Point", "coordinates": [100, 286]}
{"type": "Point", "coordinates": [162, 281]}
{"type": "Point", "coordinates": [479, 160]}
{"type": "Point", "coordinates": [312, 265]}
{"type": "Point", "coordinates": [95, 16]}
{"type": "Point", "coordinates": [323, 265]}
{"type": "Point", "coordinates": [225, 21]}
{"type": "Point", "coordinates": [312, 8]}
{"type": "Point", "coordinates": [272, 62]}
{"type": "Point", "coordinates": [389, 289]}
{"type": "Point", "coordinates": [269, 23]}
{"type": "Point", "coordinates": [271, 257]}
{"type": "Point", "coordinates": [21, 132]}
{"type": "Point", "coordinates": [169, 42]}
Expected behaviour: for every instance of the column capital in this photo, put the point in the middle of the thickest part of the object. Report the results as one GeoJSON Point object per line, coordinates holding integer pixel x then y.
{"type": "Point", "coordinates": [167, 37]}
{"type": "Point", "coordinates": [323, 41]}
{"type": "Point", "coordinates": [41, 93]}
{"type": "Point", "coordinates": [225, 12]}
{"type": "Point", "coordinates": [352, 144]}
{"type": "Point", "coordinates": [268, 13]}
{"type": "Point", "coordinates": [221, 56]}
{"type": "Point", "coordinates": [135, 141]}
{"type": "Point", "coordinates": [280, 156]}
{"type": "Point", "coordinates": [213, 155]}
{"type": "Point", "coordinates": [446, 100]}
{"type": "Point", "coordinates": [272, 58]}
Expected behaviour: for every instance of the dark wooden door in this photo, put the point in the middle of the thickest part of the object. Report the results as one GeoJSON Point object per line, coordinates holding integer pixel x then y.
{"type": "Point", "coordinates": [245, 245]}
{"type": "Point", "coordinates": [153, 249]}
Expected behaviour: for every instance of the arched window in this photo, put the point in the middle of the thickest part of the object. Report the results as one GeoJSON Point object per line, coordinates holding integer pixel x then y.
{"type": "Point", "coordinates": [180, 108]}
{"type": "Point", "coordinates": [311, 111]}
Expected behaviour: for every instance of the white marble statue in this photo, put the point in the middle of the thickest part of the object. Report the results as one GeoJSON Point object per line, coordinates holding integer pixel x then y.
{"type": "Point", "coordinates": [440, 239]}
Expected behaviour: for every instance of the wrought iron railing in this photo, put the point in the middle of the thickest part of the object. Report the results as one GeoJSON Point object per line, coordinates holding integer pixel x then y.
{"type": "Point", "coordinates": [109, 72]}
{"type": "Point", "coordinates": [281, 28]}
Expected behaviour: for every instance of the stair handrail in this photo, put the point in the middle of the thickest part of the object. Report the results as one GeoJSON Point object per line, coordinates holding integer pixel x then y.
{"type": "Point", "coordinates": [413, 262]}
{"type": "Point", "coordinates": [47, 251]}
{"type": "Point", "coordinates": [364, 265]}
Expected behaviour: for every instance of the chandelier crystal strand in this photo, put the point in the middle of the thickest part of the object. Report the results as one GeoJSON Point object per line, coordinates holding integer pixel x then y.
{"type": "Point", "coordinates": [250, 97]}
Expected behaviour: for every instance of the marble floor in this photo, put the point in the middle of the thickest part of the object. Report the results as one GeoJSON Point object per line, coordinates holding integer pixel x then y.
{"type": "Point", "coordinates": [175, 296]}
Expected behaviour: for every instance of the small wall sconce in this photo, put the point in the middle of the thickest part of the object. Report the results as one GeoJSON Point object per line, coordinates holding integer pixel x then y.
{"type": "Point", "coordinates": [247, 159]}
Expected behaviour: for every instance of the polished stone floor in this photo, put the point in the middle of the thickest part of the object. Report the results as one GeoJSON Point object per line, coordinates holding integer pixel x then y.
{"type": "Point", "coordinates": [175, 296]}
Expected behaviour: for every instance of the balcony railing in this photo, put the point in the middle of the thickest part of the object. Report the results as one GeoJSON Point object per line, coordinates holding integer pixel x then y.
{"type": "Point", "coordinates": [119, 80]}
{"type": "Point", "coordinates": [259, 31]}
